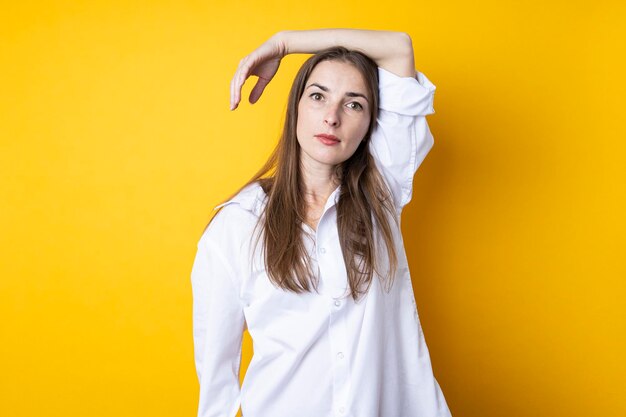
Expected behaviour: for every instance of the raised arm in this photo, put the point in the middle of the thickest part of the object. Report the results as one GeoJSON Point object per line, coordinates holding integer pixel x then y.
{"type": "Point", "coordinates": [392, 51]}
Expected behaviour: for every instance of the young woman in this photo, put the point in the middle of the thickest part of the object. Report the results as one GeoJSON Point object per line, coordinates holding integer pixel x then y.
{"type": "Point", "coordinates": [308, 255]}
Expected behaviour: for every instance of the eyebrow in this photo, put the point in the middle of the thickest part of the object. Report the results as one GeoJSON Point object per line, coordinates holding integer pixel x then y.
{"type": "Point", "coordinates": [349, 93]}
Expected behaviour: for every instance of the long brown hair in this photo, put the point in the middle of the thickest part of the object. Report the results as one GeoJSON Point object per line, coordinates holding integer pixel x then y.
{"type": "Point", "coordinates": [364, 200]}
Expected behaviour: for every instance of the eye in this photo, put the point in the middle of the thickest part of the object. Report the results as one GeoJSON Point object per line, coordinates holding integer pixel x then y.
{"type": "Point", "coordinates": [316, 96]}
{"type": "Point", "coordinates": [355, 105]}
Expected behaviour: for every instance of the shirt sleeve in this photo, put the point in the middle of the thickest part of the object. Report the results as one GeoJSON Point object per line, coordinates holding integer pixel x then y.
{"type": "Point", "coordinates": [218, 325]}
{"type": "Point", "coordinates": [402, 138]}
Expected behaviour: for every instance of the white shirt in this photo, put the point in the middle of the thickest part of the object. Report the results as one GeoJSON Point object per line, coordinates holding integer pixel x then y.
{"type": "Point", "coordinates": [317, 354]}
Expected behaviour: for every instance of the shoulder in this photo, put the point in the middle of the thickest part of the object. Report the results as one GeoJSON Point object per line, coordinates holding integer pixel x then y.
{"type": "Point", "coordinates": [250, 198]}
{"type": "Point", "coordinates": [235, 220]}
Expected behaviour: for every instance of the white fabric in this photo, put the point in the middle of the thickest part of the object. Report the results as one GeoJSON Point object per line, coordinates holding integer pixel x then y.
{"type": "Point", "coordinates": [317, 355]}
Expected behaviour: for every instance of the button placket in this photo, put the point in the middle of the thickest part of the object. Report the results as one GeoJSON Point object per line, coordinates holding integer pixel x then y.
{"type": "Point", "coordinates": [339, 359]}
{"type": "Point", "coordinates": [332, 270]}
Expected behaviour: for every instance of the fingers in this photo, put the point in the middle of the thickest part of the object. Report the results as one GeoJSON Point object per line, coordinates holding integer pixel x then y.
{"type": "Point", "coordinates": [237, 82]}
{"type": "Point", "coordinates": [235, 88]}
{"type": "Point", "coordinates": [263, 63]}
{"type": "Point", "coordinates": [234, 92]}
{"type": "Point", "coordinates": [258, 90]}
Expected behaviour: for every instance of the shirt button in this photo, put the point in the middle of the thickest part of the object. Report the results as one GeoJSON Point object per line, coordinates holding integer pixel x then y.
{"type": "Point", "coordinates": [337, 303]}
{"type": "Point", "coordinates": [342, 410]}
{"type": "Point", "coordinates": [340, 355]}
{"type": "Point", "coordinates": [322, 250]}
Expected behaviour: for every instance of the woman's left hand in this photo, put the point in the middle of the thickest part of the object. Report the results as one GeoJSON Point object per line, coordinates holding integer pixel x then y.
{"type": "Point", "coordinates": [263, 62]}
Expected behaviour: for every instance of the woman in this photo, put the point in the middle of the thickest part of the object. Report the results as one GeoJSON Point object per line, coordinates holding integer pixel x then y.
{"type": "Point", "coordinates": [308, 255]}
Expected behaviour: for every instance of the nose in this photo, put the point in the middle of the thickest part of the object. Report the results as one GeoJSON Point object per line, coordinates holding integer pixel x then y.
{"type": "Point", "coordinates": [332, 116]}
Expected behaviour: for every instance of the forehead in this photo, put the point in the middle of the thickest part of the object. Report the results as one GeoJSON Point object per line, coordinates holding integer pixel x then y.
{"type": "Point", "coordinates": [338, 76]}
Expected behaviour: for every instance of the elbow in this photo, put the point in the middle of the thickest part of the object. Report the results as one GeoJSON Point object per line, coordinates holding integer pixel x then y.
{"type": "Point", "coordinates": [400, 55]}
{"type": "Point", "coordinates": [405, 44]}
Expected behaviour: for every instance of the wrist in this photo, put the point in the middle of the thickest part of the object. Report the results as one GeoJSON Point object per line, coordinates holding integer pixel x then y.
{"type": "Point", "coordinates": [281, 39]}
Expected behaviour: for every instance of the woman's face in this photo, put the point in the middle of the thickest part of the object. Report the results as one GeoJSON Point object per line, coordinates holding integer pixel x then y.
{"type": "Point", "coordinates": [333, 114]}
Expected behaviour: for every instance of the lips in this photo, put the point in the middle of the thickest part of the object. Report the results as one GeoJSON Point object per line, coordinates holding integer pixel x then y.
{"type": "Point", "coordinates": [328, 139]}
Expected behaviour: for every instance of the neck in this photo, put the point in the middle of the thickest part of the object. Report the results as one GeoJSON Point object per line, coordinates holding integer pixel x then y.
{"type": "Point", "coordinates": [319, 183]}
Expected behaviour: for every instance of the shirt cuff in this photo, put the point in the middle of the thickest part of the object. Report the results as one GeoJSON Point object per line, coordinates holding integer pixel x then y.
{"type": "Point", "coordinates": [406, 95]}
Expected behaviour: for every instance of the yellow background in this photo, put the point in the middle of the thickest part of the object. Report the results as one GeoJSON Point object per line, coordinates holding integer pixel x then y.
{"type": "Point", "coordinates": [117, 141]}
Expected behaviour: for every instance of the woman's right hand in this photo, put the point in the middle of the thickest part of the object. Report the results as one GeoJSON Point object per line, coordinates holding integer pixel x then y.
{"type": "Point", "coordinates": [263, 63]}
